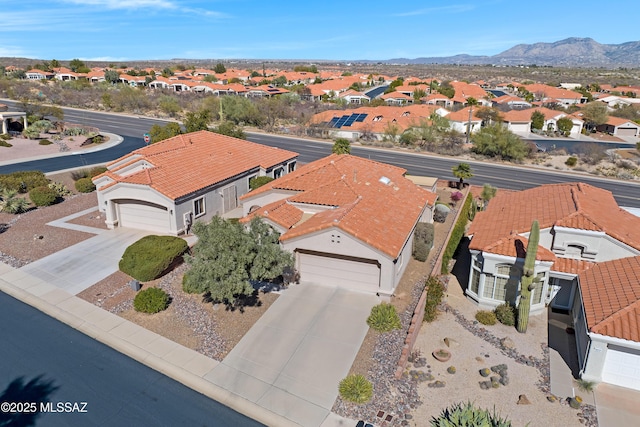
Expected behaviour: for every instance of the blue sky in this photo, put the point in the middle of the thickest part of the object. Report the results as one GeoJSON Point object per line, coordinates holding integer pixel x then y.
{"type": "Point", "coordinates": [121, 30]}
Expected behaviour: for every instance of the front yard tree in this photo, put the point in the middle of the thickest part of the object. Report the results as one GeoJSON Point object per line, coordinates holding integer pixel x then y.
{"type": "Point", "coordinates": [160, 133]}
{"type": "Point", "coordinates": [462, 172]}
{"type": "Point", "coordinates": [497, 141]}
{"type": "Point", "coordinates": [220, 68]}
{"type": "Point", "coordinates": [341, 146]}
{"type": "Point", "coordinates": [594, 114]}
{"type": "Point", "coordinates": [111, 76]}
{"type": "Point", "coordinates": [527, 282]}
{"type": "Point", "coordinates": [537, 120]}
{"type": "Point", "coordinates": [195, 121]}
{"type": "Point", "coordinates": [229, 256]}
{"type": "Point", "coordinates": [565, 124]}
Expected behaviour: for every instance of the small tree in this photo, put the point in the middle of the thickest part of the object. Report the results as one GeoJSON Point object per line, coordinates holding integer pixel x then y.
{"type": "Point", "coordinates": [196, 121]}
{"type": "Point", "coordinates": [111, 76]}
{"type": "Point", "coordinates": [565, 125]}
{"type": "Point", "coordinates": [488, 192]}
{"type": "Point", "coordinates": [341, 146]}
{"type": "Point", "coordinates": [462, 171]}
{"type": "Point", "coordinates": [537, 120]}
{"type": "Point", "coordinates": [594, 114]}
{"type": "Point", "coordinates": [220, 68]}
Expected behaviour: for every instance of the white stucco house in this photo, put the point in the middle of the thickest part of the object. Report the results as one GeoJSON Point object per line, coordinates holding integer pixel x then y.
{"type": "Point", "coordinates": [349, 221]}
{"type": "Point", "coordinates": [606, 317]}
{"type": "Point", "coordinates": [586, 246]}
{"type": "Point", "coordinates": [519, 121]}
{"type": "Point", "coordinates": [166, 186]}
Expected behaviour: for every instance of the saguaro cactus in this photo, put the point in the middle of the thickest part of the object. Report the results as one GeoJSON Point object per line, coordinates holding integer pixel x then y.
{"type": "Point", "coordinates": [527, 282]}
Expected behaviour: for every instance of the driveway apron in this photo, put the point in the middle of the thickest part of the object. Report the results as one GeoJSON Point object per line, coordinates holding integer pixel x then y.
{"type": "Point", "coordinates": [291, 361]}
{"type": "Point", "coordinates": [82, 265]}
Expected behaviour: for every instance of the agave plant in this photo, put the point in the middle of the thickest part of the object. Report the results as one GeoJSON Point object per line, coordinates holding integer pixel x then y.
{"type": "Point", "coordinates": [11, 203]}
{"type": "Point", "coordinates": [467, 415]}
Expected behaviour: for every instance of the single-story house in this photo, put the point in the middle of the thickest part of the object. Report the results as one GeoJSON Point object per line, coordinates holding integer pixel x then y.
{"type": "Point", "coordinates": [166, 186]}
{"type": "Point", "coordinates": [349, 221]}
{"type": "Point", "coordinates": [606, 318]}
{"type": "Point", "coordinates": [619, 127]}
{"type": "Point", "coordinates": [580, 225]}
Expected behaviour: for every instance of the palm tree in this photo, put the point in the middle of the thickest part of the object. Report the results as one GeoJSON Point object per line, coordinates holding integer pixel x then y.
{"type": "Point", "coordinates": [10, 203]}
{"type": "Point", "coordinates": [462, 172]}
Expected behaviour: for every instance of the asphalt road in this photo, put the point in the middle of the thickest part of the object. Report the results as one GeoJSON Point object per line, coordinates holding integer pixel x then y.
{"type": "Point", "coordinates": [43, 360]}
{"type": "Point", "coordinates": [502, 176]}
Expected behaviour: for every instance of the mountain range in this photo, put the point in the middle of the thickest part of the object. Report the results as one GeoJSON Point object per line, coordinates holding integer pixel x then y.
{"type": "Point", "coordinates": [571, 52]}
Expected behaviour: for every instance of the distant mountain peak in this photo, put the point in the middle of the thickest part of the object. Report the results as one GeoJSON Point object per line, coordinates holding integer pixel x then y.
{"type": "Point", "coordinates": [572, 51]}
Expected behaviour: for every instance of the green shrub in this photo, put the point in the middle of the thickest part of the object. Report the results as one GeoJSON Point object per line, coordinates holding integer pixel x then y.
{"type": "Point", "coordinates": [435, 291]}
{"type": "Point", "coordinates": [87, 173]}
{"type": "Point", "coordinates": [4, 143]}
{"type": "Point", "coordinates": [5, 137]}
{"type": "Point", "coordinates": [571, 161]}
{"type": "Point", "coordinates": [24, 181]}
{"type": "Point", "coordinates": [467, 415]}
{"type": "Point", "coordinates": [151, 300]}
{"type": "Point", "coordinates": [356, 388]}
{"type": "Point", "coordinates": [60, 189]}
{"type": "Point", "coordinates": [148, 258]}
{"type": "Point", "coordinates": [85, 185]}
{"type": "Point", "coordinates": [45, 142]}
{"type": "Point", "coordinates": [456, 235]}
{"type": "Point", "coordinates": [506, 314]}
{"type": "Point", "coordinates": [423, 241]}
{"type": "Point", "coordinates": [43, 196]}
{"type": "Point", "coordinates": [486, 317]}
{"type": "Point", "coordinates": [259, 181]}
{"type": "Point", "coordinates": [384, 318]}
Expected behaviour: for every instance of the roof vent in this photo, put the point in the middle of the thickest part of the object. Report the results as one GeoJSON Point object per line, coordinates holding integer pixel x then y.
{"type": "Point", "coordinates": [385, 180]}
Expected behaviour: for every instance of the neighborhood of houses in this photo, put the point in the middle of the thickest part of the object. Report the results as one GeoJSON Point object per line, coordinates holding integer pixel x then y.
{"type": "Point", "coordinates": [418, 98]}
{"type": "Point", "coordinates": [351, 221]}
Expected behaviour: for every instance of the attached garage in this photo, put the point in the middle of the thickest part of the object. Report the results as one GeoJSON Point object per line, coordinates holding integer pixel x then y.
{"type": "Point", "coordinates": [143, 215]}
{"type": "Point", "coordinates": [626, 131]}
{"type": "Point", "coordinates": [622, 367]}
{"type": "Point", "coordinates": [346, 272]}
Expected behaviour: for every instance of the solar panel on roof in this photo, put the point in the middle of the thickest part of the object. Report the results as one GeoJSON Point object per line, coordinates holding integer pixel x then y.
{"type": "Point", "coordinates": [361, 117]}
{"type": "Point", "coordinates": [333, 121]}
{"type": "Point", "coordinates": [341, 121]}
{"type": "Point", "coordinates": [350, 120]}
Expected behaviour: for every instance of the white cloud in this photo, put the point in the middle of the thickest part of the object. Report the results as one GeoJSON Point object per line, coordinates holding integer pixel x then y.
{"type": "Point", "coordinates": [126, 4]}
{"type": "Point", "coordinates": [454, 8]}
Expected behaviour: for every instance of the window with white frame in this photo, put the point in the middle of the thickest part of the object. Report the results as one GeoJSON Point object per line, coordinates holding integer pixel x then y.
{"type": "Point", "coordinates": [475, 281]}
{"type": "Point", "coordinates": [292, 166]}
{"type": "Point", "coordinates": [277, 173]}
{"type": "Point", "coordinates": [495, 285]}
{"type": "Point", "coordinates": [198, 207]}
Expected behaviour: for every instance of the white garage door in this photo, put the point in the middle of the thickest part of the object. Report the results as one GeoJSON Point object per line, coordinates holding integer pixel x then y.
{"type": "Point", "coordinates": [143, 216]}
{"type": "Point", "coordinates": [519, 127]}
{"type": "Point", "coordinates": [626, 132]}
{"type": "Point", "coordinates": [345, 272]}
{"type": "Point", "coordinates": [622, 367]}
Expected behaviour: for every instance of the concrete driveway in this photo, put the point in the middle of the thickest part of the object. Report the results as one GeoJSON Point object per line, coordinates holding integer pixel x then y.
{"type": "Point", "coordinates": [617, 406]}
{"type": "Point", "coordinates": [291, 361]}
{"type": "Point", "coordinates": [82, 265]}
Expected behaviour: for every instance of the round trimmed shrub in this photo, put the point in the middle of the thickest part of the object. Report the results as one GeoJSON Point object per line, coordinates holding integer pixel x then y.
{"type": "Point", "coordinates": [148, 258]}
{"type": "Point", "coordinates": [384, 318]}
{"type": "Point", "coordinates": [151, 300]}
{"type": "Point", "coordinates": [486, 317]}
{"type": "Point", "coordinates": [506, 314]}
{"type": "Point", "coordinates": [85, 185]}
{"type": "Point", "coordinates": [45, 142]}
{"type": "Point", "coordinates": [43, 196]}
{"type": "Point", "coordinates": [356, 388]}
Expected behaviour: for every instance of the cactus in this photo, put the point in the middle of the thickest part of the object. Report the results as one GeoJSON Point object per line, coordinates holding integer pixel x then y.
{"type": "Point", "coordinates": [527, 281]}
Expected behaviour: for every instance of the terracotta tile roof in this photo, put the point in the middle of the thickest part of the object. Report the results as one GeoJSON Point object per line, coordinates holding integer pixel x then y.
{"type": "Point", "coordinates": [575, 205]}
{"type": "Point", "coordinates": [516, 246]}
{"type": "Point", "coordinates": [611, 298]}
{"type": "Point", "coordinates": [571, 265]}
{"type": "Point", "coordinates": [281, 212]}
{"type": "Point", "coordinates": [187, 163]}
{"type": "Point", "coordinates": [381, 214]}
